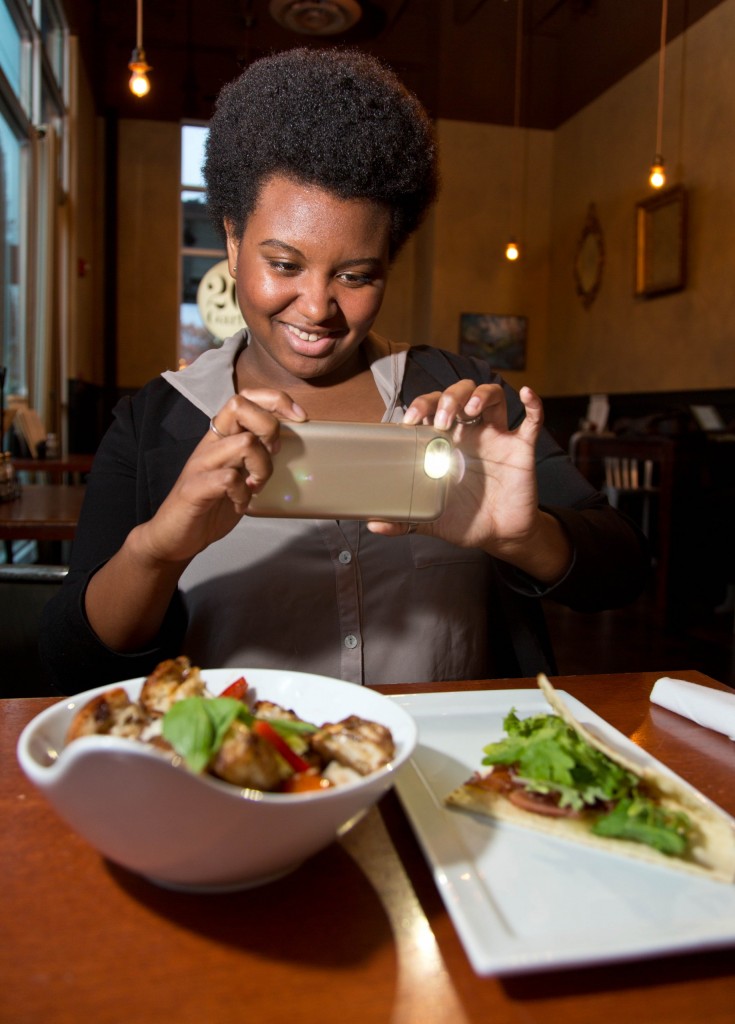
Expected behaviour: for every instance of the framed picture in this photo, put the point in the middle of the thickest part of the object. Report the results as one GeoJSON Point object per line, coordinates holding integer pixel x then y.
{"type": "Point", "coordinates": [660, 265]}
{"type": "Point", "coordinates": [499, 340]}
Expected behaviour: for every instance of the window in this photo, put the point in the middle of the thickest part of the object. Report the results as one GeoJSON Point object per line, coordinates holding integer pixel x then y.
{"type": "Point", "coordinates": [205, 282]}
{"type": "Point", "coordinates": [32, 168]}
{"type": "Point", "coordinates": [13, 352]}
{"type": "Point", "coordinates": [12, 53]}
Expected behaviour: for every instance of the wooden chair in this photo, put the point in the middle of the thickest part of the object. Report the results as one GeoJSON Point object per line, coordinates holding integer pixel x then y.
{"type": "Point", "coordinates": [24, 590]}
{"type": "Point", "coordinates": [653, 478]}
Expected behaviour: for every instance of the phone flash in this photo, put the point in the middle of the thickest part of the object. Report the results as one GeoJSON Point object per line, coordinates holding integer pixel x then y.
{"type": "Point", "coordinates": [437, 458]}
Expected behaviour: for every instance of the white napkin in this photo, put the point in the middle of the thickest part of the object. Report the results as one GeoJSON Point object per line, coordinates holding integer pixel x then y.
{"type": "Point", "coordinates": [714, 709]}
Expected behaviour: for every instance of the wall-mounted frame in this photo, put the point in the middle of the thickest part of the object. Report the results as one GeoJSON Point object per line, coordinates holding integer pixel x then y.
{"type": "Point", "coordinates": [589, 259]}
{"type": "Point", "coordinates": [499, 340]}
{"type": "Point", "coordinates": [660, 229]}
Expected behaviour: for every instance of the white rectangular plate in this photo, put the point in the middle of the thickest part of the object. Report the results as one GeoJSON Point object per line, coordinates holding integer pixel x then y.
{"type": "Point", "coordinates": [522, 901]}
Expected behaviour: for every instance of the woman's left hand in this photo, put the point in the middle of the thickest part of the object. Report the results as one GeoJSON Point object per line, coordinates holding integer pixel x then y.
{"type": "Point", "coordinates": [495, 504]}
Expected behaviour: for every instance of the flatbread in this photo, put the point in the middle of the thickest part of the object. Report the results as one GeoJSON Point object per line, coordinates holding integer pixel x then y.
{"type": "Point", "coordinates": [712, 853]}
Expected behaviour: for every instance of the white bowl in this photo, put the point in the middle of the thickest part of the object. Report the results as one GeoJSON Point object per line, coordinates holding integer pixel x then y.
{"type": "Point", "coordinates": [186, 831]}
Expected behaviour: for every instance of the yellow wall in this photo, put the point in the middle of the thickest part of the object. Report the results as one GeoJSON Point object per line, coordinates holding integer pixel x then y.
{"type": "Point", "coordinates": [601, 156]}
{"type": "Point", "coordinates": [677, 341]}
{"type": "Point", "coordinates": [479, 208]}
{"type": "Point", "coordinates": [149, 172]}
{"type": "Point", "coordinates": [457, 264]}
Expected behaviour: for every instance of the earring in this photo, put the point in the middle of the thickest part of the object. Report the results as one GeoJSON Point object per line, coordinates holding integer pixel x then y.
{"type": "Point", "coordinates": [234, 269]}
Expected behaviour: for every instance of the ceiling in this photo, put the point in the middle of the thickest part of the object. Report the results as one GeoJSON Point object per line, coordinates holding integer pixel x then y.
{"type": "Point", "coordinates": [458, 56]}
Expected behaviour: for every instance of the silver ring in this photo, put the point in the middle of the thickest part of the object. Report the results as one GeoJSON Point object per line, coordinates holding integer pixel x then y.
{"type": "Point", "coordinates": [470, 423]}
{"type": "Point", "coordinates": [213, 428]}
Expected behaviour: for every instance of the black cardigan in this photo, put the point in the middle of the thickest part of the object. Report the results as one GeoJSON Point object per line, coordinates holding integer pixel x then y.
{"type": "Point", "coordinates": [155, 431]}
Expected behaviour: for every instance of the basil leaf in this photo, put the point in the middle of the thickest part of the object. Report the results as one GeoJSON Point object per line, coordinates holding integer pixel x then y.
{"type": "Point", "coordinates": [286, 727]}
{"type": "Point", "coordinates": [196, 727]}
{"type": "Point", "coordinates": [223, 711]}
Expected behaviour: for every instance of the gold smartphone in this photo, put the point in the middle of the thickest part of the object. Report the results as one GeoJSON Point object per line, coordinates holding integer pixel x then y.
{"type": "Point", "coordinates": [388, 471]}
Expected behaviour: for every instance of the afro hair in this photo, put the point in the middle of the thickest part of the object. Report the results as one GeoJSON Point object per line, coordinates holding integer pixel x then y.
{"type": "Point", "coordinates": [334, 118]}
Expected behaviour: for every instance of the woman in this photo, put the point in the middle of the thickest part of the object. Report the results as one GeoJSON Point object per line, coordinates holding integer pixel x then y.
{"type": "Point", "coordinates": [319, 166]}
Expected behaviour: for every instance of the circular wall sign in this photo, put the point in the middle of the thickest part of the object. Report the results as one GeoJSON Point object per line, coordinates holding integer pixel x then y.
{"type": "Point", "coordinates": [217, 302]}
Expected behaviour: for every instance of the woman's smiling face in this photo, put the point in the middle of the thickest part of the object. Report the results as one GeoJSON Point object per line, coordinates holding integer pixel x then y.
{"type": "Point", "coordinates": [311, 273]}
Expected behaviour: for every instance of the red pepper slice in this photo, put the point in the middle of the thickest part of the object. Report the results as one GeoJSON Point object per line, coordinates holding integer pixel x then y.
{"type": "Point", "coordinates": [237, 689]}
{"type": "Point", "coordinates": [266, 731]}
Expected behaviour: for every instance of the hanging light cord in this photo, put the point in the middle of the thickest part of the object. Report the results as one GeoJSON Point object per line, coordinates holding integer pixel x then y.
{"type": "Point", "coordinates": [519, 63]}
{"type": "Point", "coordinates": [139, 34]}
{"type": "Point", "coordinates": [661, 71]}
{"type": "Point", "coordinates": [520, 140]}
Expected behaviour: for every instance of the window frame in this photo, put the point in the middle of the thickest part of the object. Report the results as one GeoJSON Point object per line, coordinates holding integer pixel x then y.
{"type": "Point", "coordinates": [41, 263]}
{"type": "Point", "coordinates": [188, 251]}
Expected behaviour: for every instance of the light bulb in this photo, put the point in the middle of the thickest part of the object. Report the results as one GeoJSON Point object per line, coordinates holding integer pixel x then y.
{"type": "Point", "coordinates": [139, 84]}
{"type": "Point", "coordinates": [512, 252]}
{"type": "Point", "coordinates": [657, 175]}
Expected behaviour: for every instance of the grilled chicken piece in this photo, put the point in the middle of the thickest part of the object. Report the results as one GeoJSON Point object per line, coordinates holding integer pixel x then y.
{"type": "Point", "coordinates": [111, 713]}
{"type": "Point", "coordinates": [339, 774]}
{"type": "Point", "coordinates": [356, 743]}
{"type": "Point", "coordinates": [171, 681]}
{"type": "Point", "coordinates": [274, 712]}
{"type": "Point", "coordinates": [245, 759]}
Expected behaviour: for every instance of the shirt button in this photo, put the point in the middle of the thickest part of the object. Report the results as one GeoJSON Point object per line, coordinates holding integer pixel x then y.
{"type": "Point", "coordinates": [351, 641]}
{"type": "Point", "coordinates": [345, 557]}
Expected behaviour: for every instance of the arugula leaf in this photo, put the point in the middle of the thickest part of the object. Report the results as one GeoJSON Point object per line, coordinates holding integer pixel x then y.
{"type": "Point", "coordinates": [643, 821]}
{"type": "Point", "coordinates": [550, 756]}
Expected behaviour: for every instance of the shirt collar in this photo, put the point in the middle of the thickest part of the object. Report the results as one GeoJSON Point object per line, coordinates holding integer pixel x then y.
{"type": "Point", "coordinates": [210, 380]}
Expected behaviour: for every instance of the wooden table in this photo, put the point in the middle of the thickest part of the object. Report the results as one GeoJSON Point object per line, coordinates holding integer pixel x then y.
{"type": "Point", "coordinates": [357, 934]}
{"type": "Point", "coordinates": [66, 469]}
{"type": "Point", "coordinates": [42, 512]}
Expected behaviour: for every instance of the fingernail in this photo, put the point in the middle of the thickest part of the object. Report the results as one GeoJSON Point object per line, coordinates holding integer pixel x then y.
{"type": "Point", "coordinates": [472, 406]}
{"type": "Point", "coordinates": [298, 410]}
{"type": "Point", "coordinates": [442, 419]}
{"type": "Point", "coordinates": [411, 416]}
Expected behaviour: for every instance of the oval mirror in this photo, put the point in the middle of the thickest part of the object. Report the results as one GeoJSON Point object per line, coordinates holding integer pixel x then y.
{"type": "Point", "coordinates": [589, 259]}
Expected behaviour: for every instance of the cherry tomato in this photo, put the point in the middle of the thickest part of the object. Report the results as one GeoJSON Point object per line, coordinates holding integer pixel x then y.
{"type": "Point", "coordinates": [309, 781]}
{"type": "Point", "coordinates": [238, 689]}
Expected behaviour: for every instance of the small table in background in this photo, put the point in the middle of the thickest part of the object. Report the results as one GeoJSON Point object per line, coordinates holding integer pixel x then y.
{"type": "Point", "coordinates": [42, 512]}
{"type": "Point", "coordinates": [70, 469]}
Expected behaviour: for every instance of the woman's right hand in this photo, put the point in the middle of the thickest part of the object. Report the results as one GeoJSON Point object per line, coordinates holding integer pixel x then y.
{"type": "Point", "coordinates": [214, 488]}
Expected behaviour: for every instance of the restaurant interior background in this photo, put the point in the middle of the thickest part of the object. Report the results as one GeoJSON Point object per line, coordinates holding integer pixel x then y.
{"type": "Point", "coordinates": [547, 124]}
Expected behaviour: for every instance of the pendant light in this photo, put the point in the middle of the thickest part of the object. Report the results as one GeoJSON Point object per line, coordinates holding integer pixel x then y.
{"type": "Point", "coordinates": [139, 83]}
{"type": "Point", "coordinates": [657, 173]}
